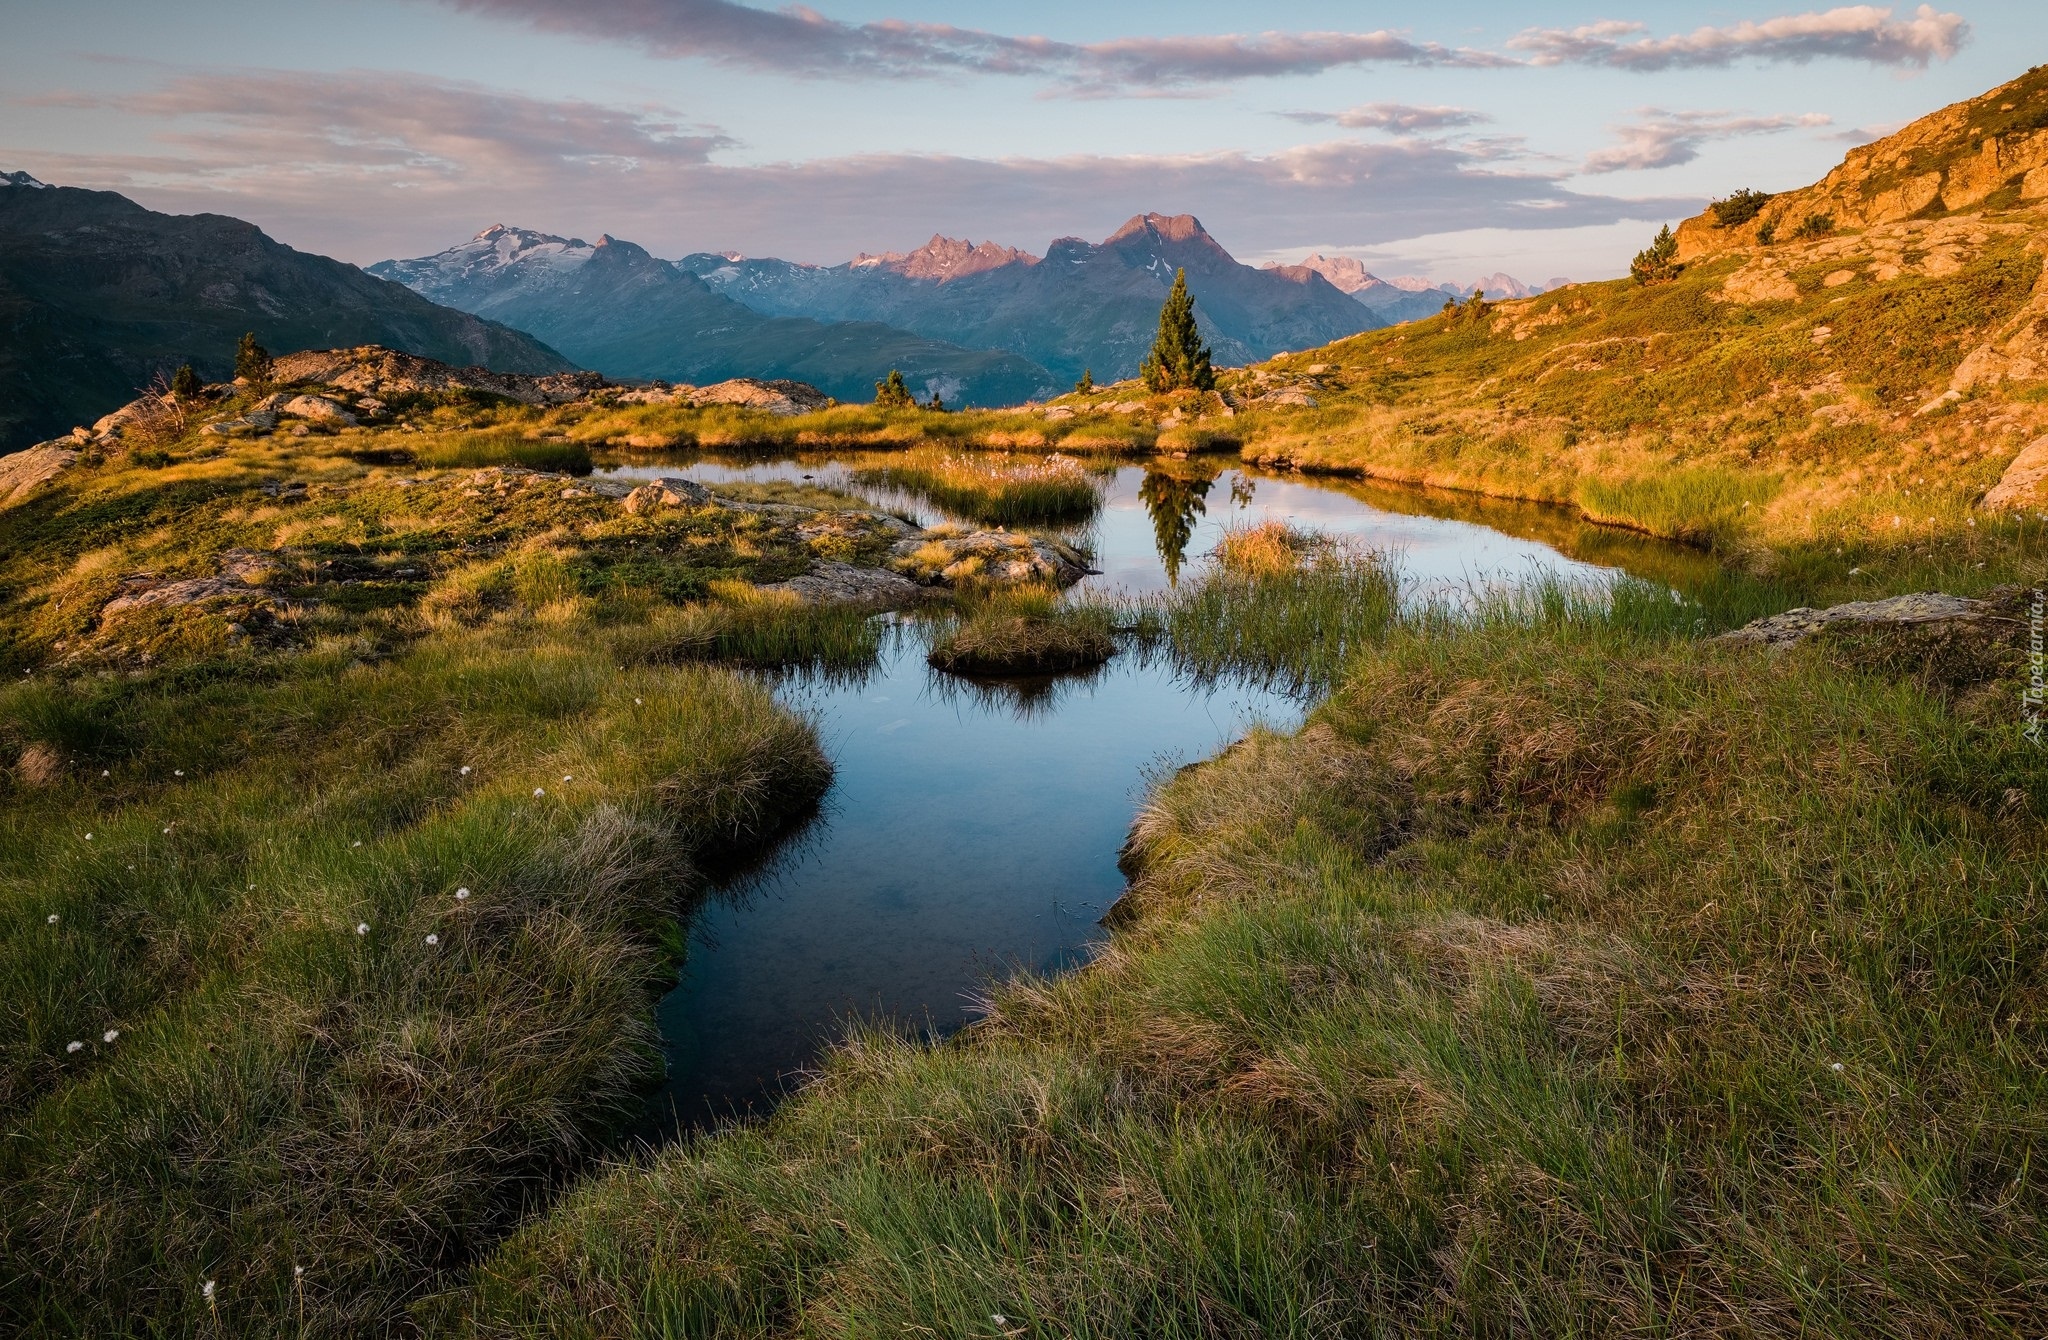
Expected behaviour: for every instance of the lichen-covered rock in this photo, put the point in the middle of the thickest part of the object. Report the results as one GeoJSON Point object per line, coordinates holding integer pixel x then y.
{"type": "Point", "coordinates": [830, 582]}
{"type": "Point", "coordinates": [773, 397]}
{"type": "Point", "coordinates": [2021, 484]}
{"type": "Point", "coordinates": [1796, 625]}
{"type": "Point", "coordinates": [22, 471]}
{"type": "Point", "coordinates": [661, 493]}
{"type": "Point", "coordinates": [945, 556]}
{"type": "Point", "coordinates": [317, 408]}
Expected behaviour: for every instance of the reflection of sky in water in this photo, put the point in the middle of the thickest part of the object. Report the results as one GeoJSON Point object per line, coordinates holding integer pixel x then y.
{"type": "Point", "coordinates": [961, 838]}
{"type": "Point", "coordinates": [1437, 555]}
{"type": "Point", "coordinates": [965, 836]}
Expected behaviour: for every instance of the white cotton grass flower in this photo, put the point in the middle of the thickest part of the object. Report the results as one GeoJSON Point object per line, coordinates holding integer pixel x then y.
{"type": "Point", "coordinates": [637, 702]}
{"type": "Point", "coordinates": [206, 1291]}
{"type": "Point", "coordinates": [432, 938]}
{"type": "Point", "coordinates": [362, 928]}
{"type": "Point", "coordinates": [464, 772]}
{"type": "Point", "coordinates": [1836, 1067]}
{"type": "Point", "coordinates": [460, 894]}
{"type": "Point", "coordinates": [73, 1048]}
{"type": "Point", "coordinates": [539, 791]}
{"type": "Point", "coordinates": [110, 1035]}
{"type": "Point", "coordinates": [106, 772]}
{"type": "Point", "coordinates": [298, 1272]}
{"type": "Point", "coordinates": [53, 918]}
{"type": "Point", "coordinates": [567, 777]}
{"type": "Point", "coordinates": [357, 843]}
{"type": "Point", "coordinates": [88, 837]}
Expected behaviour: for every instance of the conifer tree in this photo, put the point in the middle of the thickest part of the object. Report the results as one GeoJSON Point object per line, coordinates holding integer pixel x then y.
{"type": "Point", "coordinates": [185, 383]}
{"type": "Point", "coordinates": [1179, 361]}
{"type": "Point", "coordinates": [1087, 383]}
{"type": "Point", "coordinates": [252, 361]}
{"type": "Point", "coordinates": [892, 393]}
{"type": "Point", "coordinates": [1658, 263]}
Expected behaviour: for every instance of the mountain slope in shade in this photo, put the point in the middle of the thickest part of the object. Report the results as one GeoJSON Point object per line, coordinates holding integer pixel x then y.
{"type": "Point", "coordinates": [98, 295]}
{"type": "Point", "coordinates": [1082, 305]}
{"type": "Point", "coordinates": [614, 307]}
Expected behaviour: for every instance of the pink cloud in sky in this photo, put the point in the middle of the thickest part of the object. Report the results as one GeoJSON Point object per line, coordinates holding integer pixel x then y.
{"type": "Point", "coordinates": [1666, 139]}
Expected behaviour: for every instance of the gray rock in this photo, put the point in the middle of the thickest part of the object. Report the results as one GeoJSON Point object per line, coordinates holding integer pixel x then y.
{"type": "Point", "coordinates": [944, 557]}
{"type": "Point", "coordinates": [1795, 626]}
{"type": "Point", "coordinates": [2021, 482]}
{"type": "Point", "coordinates": [22, 471]}
{"type": "Point", "coordinates": [317, 408]}
{"type": "Point", "coordinates": [667, 493]}
{"type": "Point", "coordinates": [841, 583]}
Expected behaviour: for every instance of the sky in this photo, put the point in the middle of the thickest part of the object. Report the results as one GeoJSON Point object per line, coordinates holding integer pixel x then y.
{"type": "Point", "coordinates": [1449, 140]}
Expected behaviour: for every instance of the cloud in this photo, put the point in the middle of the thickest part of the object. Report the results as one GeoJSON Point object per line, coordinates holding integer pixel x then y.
{"type": "Point", "coordinates": [403, 129]}
{"type": "Point", "coordinates": [368, 166]}
{"type": "Point", "coordinates": [1851, 32]}
{"type": "Point", "coordinates": [1666, 139]}
{"type": "Point", "coordinates": [798, 40]}
{"type": "Point", "coordinates": [1396, 116]}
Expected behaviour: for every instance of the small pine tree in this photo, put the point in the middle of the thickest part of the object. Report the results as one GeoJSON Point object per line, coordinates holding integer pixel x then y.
{"type": "Point", "coordinates": [1086, 385]}
{"type": "Point", "coordinates": [892, 393]}
{"type": "Point", "coordinates": [1658, 263]}
{"type": "Point", "coordinates": [185, 383]}
{"type": "Point", "coordinates": [937, 405]}
{"type": "Point", "coordinates": [252, 361]}
{"type": "Point", "coordinates": [1179, 361]}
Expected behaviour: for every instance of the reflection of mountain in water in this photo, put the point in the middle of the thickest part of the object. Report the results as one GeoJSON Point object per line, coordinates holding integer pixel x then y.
{"type": "Point", "coordinates": [1175, 505]}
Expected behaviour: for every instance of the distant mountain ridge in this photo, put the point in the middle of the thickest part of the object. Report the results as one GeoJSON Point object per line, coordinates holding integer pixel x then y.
{"type": "Point", "coordinates": [1081, 306]}
{"type": "Point", "coordinates": [616, 308]}
{"type": "Point", "coordinates": [1406, 298]}
{"type": "Point", "coordinates": [98, 295]}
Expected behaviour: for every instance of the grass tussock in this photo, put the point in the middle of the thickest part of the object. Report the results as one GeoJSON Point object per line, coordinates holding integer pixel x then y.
{"type": "Point", "coordinates": [766, 630]}
{"type": "Point", "coordinates": [1556, 978]}
{"type": "Point", "coordinates": [1026, 632]}
{"type": "Point", "coordinates": [994, 490]}
{"type": "Point", "coordinates": [346, 992]}
{"type": "Point", "coordinates": [461, 450]}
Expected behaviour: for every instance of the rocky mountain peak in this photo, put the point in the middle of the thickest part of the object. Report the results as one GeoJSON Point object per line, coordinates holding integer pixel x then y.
{"type": "Point", "coordinates": [945, 258]}
{"type": "Point", "coordinates": [1165, 227]}
{"type": "Point", "coordinates": [22, 179]}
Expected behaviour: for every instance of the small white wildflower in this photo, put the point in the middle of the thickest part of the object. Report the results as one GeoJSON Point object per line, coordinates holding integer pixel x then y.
{"type": "Point", "coordinates": [73, 1047]}
{"type": "Point", "coordinates": [110, 1035]}
{"type": "Point", "coordinates": [460, 894]}
{"type": "Point", "coordinates": [53, 918]}
{"type": "Point", "coordinates": [362, 928]}
{"type": "Point", "coordinates": [1836, 1067]}
{"type": "Point", "coordinates": [538, 791]}
{"type": "Point", "coordinates": [432, 938]}
{"type": "Point", "coordinates": [465, 771]}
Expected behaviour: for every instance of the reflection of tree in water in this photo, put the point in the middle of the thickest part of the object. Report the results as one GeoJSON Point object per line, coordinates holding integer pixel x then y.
{"type": "Point", "coordinates": [1174, 505]}
{"type": "Point", "coordinates": [1243, 488]}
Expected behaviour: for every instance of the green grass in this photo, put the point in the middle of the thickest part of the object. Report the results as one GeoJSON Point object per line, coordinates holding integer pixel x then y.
{"type": "Point", "coordinates": [994, 490]}
{"type": "Point", "coordinates": [1022, 632]}
{"type": "Point", "coordinates": [451, 451]}
{"type": "Point", "coordinates": [1563, 976]}
{"type": "Point", "coordinates": [285, 1092]}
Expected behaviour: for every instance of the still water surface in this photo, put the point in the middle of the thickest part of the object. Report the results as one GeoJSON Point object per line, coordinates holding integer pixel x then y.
{"type": "Point", "coordinates": [973, 830]}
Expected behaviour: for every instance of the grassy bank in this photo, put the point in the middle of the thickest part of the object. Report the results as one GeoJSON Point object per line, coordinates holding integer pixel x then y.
{"type": "Point", "coordinates": [1565, 975]}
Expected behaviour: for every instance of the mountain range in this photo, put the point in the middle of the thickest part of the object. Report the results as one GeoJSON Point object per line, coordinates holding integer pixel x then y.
{"type": "Point", "coordinates": [612, 306]}
{"type": "Point", "coordinates": [1398, 300]}
{"type": "Point", "coordinates": [99, 295]}
{"type": "Point", "coordinates": [1082, 305]}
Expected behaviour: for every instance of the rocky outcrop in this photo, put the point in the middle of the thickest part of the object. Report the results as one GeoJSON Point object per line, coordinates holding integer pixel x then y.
{"type": "Point", "coordinates": [2020, 485]}
{"type": "Point", "coordinates": [948, 556]}
{"type": "Point", "coordinates": [376, 371]}
{"type": "Point", "coordinates": [778, 397]}
{"type": "Point", "coordinates": [22, 471]}
{"type": "Point", "coordinates": [830, 582]}
{"type": "Point", "coordinates": [1920, 609]}
{"type": "Point", "coordinates": [1958, 158]}
{"type": "Point", "coordinates": [661, 493]}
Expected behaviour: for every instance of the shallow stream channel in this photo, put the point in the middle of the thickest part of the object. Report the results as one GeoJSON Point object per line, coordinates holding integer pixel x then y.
{"type": "Point", "coordinates": [973, 827]}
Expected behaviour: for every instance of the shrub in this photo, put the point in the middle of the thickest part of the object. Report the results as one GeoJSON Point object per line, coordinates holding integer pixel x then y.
{"type": "Point", "coordinates": [1814, 225]}
{"type": "Point", "coordinates": [1657, 263]}
{"type": "Point", "coordinates": [1732, 211]}
{"type": "Point", "coordinates": [892, 393]}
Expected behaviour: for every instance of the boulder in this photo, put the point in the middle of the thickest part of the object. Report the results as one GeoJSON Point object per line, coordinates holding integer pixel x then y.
{"type": "Point", "coordinates": [22, 471]}
{"type": "Point", "coordinates": [944, 556]}
{"type": "Point", "coordinates": [1921, 608]}
{"type": "Point", "coordinates": [661, 493]}
{"type": "Point", "coordinates": [317, 408]}
{"type": "Point", "coordinates": [829, 582]}
{"type": "Point", "coordinates": [2020, 485]}
{"type": "Point", "coordinates": [773, 397]}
